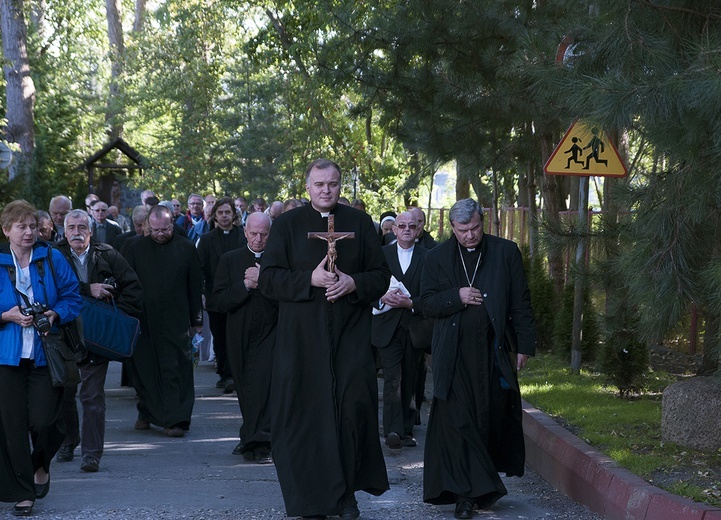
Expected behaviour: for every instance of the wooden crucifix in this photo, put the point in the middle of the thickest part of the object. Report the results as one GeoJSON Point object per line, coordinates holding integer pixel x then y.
{"type": "Point", "coordinates": [331, 237]}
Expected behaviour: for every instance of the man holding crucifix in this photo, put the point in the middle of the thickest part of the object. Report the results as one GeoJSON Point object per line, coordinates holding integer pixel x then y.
{"type": "Point", "coordinates": [324, 265]}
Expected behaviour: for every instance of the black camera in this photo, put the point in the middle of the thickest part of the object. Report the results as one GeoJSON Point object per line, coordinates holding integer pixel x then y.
{"type": "Point", "coordinates": [111, 281]}
{"type": "Point", "coordinates": [40, 321]}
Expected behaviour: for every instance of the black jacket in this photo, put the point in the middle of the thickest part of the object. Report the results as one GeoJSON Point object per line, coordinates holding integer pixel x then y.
{"type": "Point", "coordinates": [105, 262]}
{"type": "Point", "coordinates": [384, 325]}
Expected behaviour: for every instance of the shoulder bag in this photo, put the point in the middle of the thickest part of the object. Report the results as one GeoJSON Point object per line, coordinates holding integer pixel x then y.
{"type": "Point", "coordinates": [61, 360]}
{"type": "Point", "coordinates": [108, 331]}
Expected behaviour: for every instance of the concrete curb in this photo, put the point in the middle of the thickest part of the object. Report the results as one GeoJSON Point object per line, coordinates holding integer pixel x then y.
{"type": "Point", "coordinates": [591, 478]}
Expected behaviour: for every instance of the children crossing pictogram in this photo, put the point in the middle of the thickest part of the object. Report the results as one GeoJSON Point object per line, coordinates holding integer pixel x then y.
{"type": "Point", "coordinates": [585, 150]}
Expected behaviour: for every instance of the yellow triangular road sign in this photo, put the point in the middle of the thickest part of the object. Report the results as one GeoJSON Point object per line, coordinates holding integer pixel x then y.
{"type": "Point", "coordinates": [585, 150]}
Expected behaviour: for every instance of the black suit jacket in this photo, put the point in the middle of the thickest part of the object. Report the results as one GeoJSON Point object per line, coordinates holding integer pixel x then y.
{"type": "Point", "coordinates": [383, 326]}
{"type": "Point", "coordinates": [111, 231]}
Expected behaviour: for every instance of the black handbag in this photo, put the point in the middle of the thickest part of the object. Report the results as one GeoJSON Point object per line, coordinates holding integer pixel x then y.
{"type": "Point", "coordinates": [61, 360]}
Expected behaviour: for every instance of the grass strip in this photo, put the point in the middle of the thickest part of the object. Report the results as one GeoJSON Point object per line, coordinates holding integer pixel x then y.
{"type": "Point", "coordinates": [627, 430]}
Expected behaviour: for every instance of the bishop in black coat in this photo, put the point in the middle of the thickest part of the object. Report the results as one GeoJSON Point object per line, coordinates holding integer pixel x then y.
{"type": "Point", "coordinates": [475, 430]}
{"type": "Point", "coordinates": [324, 397]}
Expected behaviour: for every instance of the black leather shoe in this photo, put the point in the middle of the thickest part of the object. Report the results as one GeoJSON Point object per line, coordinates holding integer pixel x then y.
{"type": "Point", "coordinates": [262, 456]}
{"type": "Point", "coordinates": [141, 424]}
{"type": "Point", "coordinates": [90, 464]}
{"type": "Point", "coordinates": [41, 490]}
{"type": "Point", "coordinates": [393, 441]}
{"type": "Point", "coordinates": [238, 450]}
{"type": "Point", "coordinates": [66, 453]}
{"type": "Point", "coordinates": [464, 508]}
{"type": "Point", "coordinates": [23, 510]}
{"type": "Point", "coordinates": [408, 441]}
{"type": "Point", "coordinates": [350, 508]}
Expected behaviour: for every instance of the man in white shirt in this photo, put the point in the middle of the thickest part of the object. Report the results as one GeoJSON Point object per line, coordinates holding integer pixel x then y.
{"type": "Point", "coordinates": [400, 333]}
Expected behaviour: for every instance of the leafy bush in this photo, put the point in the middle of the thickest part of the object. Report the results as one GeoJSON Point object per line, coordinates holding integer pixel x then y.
{"type": "Point", "coordinates": [624, 359]}
{"type": "Point", "coordinates": [563, 327]}
{"type": "Point", "coordinates": [543, 298]}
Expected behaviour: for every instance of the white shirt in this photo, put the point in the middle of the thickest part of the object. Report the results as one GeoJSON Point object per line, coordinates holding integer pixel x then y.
{"type": "Point", "coordinates": [404, 257]}
{"type": "Point", "coordinates": [24, 285]}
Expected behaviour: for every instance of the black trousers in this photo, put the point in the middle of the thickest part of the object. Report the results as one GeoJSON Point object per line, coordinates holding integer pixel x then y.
{"type": "Point", "coordinates": [28, 402]}
{"type": "Point", "coordinates": [399, 360]}
{"type": "Point", "coordinates": [217, 323]}
{"type": "Point", "coordinates": [92, 400]}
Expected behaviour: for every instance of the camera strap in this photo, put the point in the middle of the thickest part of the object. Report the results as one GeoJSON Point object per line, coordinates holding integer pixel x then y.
{"type": "Point", "coordinates": [12, 274]}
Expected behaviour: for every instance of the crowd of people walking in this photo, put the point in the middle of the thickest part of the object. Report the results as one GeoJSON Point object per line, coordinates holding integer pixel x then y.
{"type": "Point", "coordinates": [308, 302]}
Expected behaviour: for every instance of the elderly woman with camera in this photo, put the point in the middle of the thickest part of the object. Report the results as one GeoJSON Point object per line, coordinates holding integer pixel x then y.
{"type": "Point", "coordinates": [34, 295]}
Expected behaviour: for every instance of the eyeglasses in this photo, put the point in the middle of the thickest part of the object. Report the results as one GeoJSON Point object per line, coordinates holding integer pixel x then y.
{"type": "Point", "coordinates": [160, 231]}
{"type": "Point", "coordinates": [409, 226]}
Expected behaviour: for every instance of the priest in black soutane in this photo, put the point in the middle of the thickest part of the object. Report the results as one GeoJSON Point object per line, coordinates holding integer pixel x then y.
{"type": "Point", "coordinates": [324, 398]}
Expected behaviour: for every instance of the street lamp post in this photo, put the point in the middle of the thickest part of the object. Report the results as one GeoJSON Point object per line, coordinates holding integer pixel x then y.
{"type": "Point", "coordinates": [354, 176]}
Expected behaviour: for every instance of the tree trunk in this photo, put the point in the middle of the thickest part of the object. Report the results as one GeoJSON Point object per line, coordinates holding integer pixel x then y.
{"type": "Point", "coordinates": [139, 21]}
{"type": "Point", "coordinates": [19, 88]}
{"type": "Point", "coordinates": [116, 105]}
{"type": "Point", "coordinates": [710, 363]}
{"type": "Point", "coordinates": [552, 206]}
{"type": "Point", "coordinates": [463, 183]}
{"type": "Point", "coordinates": [37, 18]}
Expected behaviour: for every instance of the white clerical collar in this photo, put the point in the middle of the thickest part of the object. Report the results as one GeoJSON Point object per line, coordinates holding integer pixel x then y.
{"type": "Point", "coordinates": [470, 249]}
{"type": "Point", "coordinates": [257, 254]}
{"type": "Point", "coordinates": [325, 214]}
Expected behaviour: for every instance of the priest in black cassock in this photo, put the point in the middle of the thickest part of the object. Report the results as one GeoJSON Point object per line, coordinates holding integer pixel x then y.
{"type": "Point", "coordinates": [161, 368]}
{"type": "Point", "coordinates": [250, 335]}
{"type": "Point", "coordinates": [475, 287]}
{"type": "Point", "coordinates": [324, 397]}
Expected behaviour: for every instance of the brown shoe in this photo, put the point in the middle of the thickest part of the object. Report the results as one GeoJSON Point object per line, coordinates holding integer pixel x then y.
{"type": "Point", "coordinates": [174, 431]}
{"type": "Point", "coordinates": [142, 424]}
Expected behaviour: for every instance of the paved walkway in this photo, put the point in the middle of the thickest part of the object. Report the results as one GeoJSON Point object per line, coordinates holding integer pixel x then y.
{"type": "Point", "coordinates": [144, 474]}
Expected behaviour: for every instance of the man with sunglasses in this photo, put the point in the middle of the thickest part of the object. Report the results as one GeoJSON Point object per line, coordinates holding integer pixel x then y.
{"type": "Point", "coordinates": [400, 333]}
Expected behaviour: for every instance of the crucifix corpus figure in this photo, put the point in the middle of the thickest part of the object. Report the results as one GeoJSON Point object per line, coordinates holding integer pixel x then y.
{"type": "Point", "coordinates": [331, 237]}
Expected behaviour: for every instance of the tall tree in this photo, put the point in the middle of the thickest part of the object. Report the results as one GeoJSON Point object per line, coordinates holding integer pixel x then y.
{"type": "Point", "coordinates": [115, 110]}
{"type": "Point", "coordinates": [19, 86]}
{"type": "Point", "coordinates": [661, 84]}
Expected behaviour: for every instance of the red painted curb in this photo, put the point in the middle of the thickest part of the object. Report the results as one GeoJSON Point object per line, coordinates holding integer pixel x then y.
{"type": "Point", "coordinates": [589, 477]}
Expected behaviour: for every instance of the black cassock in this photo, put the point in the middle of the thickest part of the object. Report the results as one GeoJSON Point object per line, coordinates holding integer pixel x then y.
{"type": "Point", "coordinates": [161, 368]}
{"type": "Point", "coordinates": [251, 338]}
{"type": "Point", "coordinates": [324, 398]}
{"type": "Point", "coordinates": [475, 431]}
